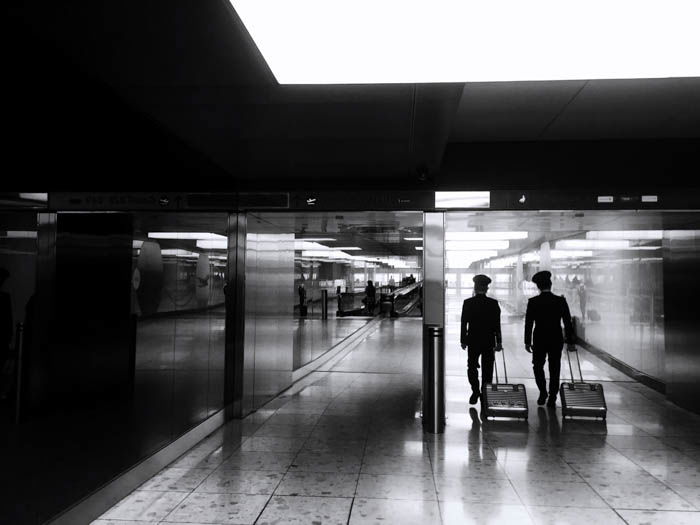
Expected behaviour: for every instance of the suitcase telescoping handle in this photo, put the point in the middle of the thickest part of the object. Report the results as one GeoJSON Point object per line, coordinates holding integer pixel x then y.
{"type": "Point", "coordinates": [495, 366]}
{"type": "Point", "coordinates": [578, 362]}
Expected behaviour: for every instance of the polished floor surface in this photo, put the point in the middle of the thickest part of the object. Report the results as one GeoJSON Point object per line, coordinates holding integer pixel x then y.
{"type": "Point", "coordinates": [345, 445]}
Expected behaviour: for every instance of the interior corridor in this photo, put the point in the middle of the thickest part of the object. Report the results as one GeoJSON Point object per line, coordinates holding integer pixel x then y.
{"type": "Point", "coordinates": [346, 445]}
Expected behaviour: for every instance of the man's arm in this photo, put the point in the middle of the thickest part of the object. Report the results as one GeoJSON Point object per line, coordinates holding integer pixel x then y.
{"type": "Point", "coordinates": [499, 338]}
{"type": "Point", "coordinates": [465, 321]}
{"type": "Point", "coordinates": [568, 326]}
{"type": "Point", "coordinates": [529, 321]}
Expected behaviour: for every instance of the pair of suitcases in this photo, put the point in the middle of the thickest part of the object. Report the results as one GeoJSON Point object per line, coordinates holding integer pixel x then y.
{"type": "Point", "coordinates": [581, 398]}
{"type": "Point", "coordinates": [503, 399]}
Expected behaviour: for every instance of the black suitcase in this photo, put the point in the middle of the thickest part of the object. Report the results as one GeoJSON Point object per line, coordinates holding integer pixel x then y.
{"type": "Point", "coordinates": [581, 398]}
{"type": "Point", "coordinates": [503, 399]}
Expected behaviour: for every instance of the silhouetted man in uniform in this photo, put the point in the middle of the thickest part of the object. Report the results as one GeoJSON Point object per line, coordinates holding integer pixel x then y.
{"type": "Point", "coordinates": [481, 332]}
{"type": "Point", "coordinates": [547, 311]}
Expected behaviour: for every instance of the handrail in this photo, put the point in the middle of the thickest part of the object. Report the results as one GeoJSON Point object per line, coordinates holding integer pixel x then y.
{"type": "Point", "coordinates": [406, 289]}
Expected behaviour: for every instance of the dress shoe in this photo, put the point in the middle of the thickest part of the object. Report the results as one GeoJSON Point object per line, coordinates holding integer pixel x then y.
{"type": "Point", "coordinates": [474, 398]}
{"type": "Point", "coordinates": [541, 399]}
{"type": "Point", "coordinates": [552, 402]}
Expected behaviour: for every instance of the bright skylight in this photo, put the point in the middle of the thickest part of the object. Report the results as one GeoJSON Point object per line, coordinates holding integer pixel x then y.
{"type": "Point", "coordinates": [390, 41]}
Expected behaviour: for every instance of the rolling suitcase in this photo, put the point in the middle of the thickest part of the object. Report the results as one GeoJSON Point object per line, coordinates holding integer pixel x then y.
{"type": "Point", "coordinates": [503, 399]}
{"type": "Point", "coordinates": [581, 398]}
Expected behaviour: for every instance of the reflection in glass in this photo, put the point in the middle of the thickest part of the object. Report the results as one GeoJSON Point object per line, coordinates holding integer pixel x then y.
{"type": "Point", "coordinates": [294, 261]}
{"type": "Point", "coordinates": [178, 305]}
{"type": "Point", "coordinates": [607, 265]}
{"type": "Point", "coordinates": [18, 259]}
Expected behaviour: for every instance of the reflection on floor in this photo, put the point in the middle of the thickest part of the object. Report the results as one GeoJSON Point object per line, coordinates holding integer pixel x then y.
{"type": "Point", "coordinates": [314, 337]}
{"type": "Point", "coordinates": [346, 446]}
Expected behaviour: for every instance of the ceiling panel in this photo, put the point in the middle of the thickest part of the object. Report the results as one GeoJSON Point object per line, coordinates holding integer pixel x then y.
{"type": "Point", "coordinates": [509, 110]}
{"type": "Point", "coordinates": [629, 109]}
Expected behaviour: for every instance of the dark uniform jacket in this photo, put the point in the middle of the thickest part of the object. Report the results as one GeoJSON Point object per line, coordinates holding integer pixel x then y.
{"type": "Point", "coordinates": [481, 322]}
{"type": "Point", "coordinates": [547, 311]}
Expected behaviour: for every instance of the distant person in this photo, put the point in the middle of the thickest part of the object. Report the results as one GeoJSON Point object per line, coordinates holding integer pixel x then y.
{"type": "Point", "coordinates": [302, 294]}
{"type": "Point", "coordinates": [481, 332]}
{"type": "Point", "coordinates": [370, 297]}
{"type": "Point", "coordinates": [547, 311]}
{"type": "Point", "coordinates": [582, 299]}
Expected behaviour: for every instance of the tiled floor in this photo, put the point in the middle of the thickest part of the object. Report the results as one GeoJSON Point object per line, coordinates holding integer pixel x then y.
{"type": "Point", "coordinates": [346, 446]}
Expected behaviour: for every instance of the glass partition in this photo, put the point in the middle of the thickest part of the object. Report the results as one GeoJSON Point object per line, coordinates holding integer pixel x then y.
{"type": "Point", "coordinates": [18, 260]}
{"type": "Point", "coordinates": [608, 265]}
{"type": "Point", "coordinates": [306, 280]}
{"type": "Point", "coordinates": [177, 302]}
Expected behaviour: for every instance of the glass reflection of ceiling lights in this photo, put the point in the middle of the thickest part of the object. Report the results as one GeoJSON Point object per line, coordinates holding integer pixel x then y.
{"type": "Point", "coordinates": [533, 256]}
{"type": "Point", "coordinates": [633, 235]}
{"type": "Point", "coordinates": [586, 244]}
{"type": "Point", "coordinates": [38, 197]}
{"type": "Point", "coordinates": [180, 236]}
{"type": "Point", "coordinates": [306, 245]}
{"type": "Point", "coordinates": [485, 236]}
{"type": "Point", "coordinates": [18, 235]}
{"type": "Point", "coordinates": [601, 244]}
{"type": "Point", "coordinates": [212, 245]}
{"type": "Point", "coordinates": [176, 252]}
{"type": "Point", "coordinates": [322, 42]}
{"type": "Point", "coordinates": [476, 245]}
{"type": "Point", "coordinates": [314, 239]}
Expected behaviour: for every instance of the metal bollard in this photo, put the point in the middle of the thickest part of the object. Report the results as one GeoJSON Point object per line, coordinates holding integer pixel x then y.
{"type": "Point", "coordinates": [434, 379]}
{"type": "Point", "coordinates": [324, 304]}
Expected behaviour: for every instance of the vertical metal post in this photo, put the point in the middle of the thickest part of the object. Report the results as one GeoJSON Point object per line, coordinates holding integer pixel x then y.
{"type": "Point", "coordinates": [234, 295]}
{"type": "Point", "coordinates": [324, 304]}
{"type": "Point", "coordinates": [434, 381]}
{"type": "Point", "coordinates": [433, 322]}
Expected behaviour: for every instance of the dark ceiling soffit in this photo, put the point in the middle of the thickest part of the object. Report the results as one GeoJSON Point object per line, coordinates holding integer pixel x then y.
{"type": "Point", "coordinates": [240, 28]}
{"type": "Point", "coordinates": [610, 165]}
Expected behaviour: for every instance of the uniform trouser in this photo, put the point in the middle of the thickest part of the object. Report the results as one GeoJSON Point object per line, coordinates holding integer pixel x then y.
{"type": "Point", "coordinates": [487, 357]}
{"type": "Point", "coordinates": [552, 354]}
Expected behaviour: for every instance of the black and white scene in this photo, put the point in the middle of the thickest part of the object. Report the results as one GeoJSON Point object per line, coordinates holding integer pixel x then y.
{"type": "Point", "coordinates": [321, 262]}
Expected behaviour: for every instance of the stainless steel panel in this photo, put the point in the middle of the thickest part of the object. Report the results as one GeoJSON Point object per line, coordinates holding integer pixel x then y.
{"type": "Point", "coordinates": [682, 312]}
{"type": "Point", "coordinates": [434, 269]}
{"type": "Point", "coordinates": [269, 311]}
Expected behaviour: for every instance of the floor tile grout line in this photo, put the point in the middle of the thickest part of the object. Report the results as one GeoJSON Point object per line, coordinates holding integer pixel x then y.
{"type": "Point", "coordinates": [272, 492]}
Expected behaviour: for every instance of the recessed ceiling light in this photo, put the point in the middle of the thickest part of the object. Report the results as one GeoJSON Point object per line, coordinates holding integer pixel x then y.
{"type": "Point", "coordinates": [212, 245]}
{"type": "Point", "coordinates": [413, 41]}
{"type": "Point", "coordinates": [314, 239]}
{"type": "Point", "coordinates": [200, 236]}
{"type": "Point", "coordinates": [592, 244]}
{"type": "Point", "coordinates": [476, 245]}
